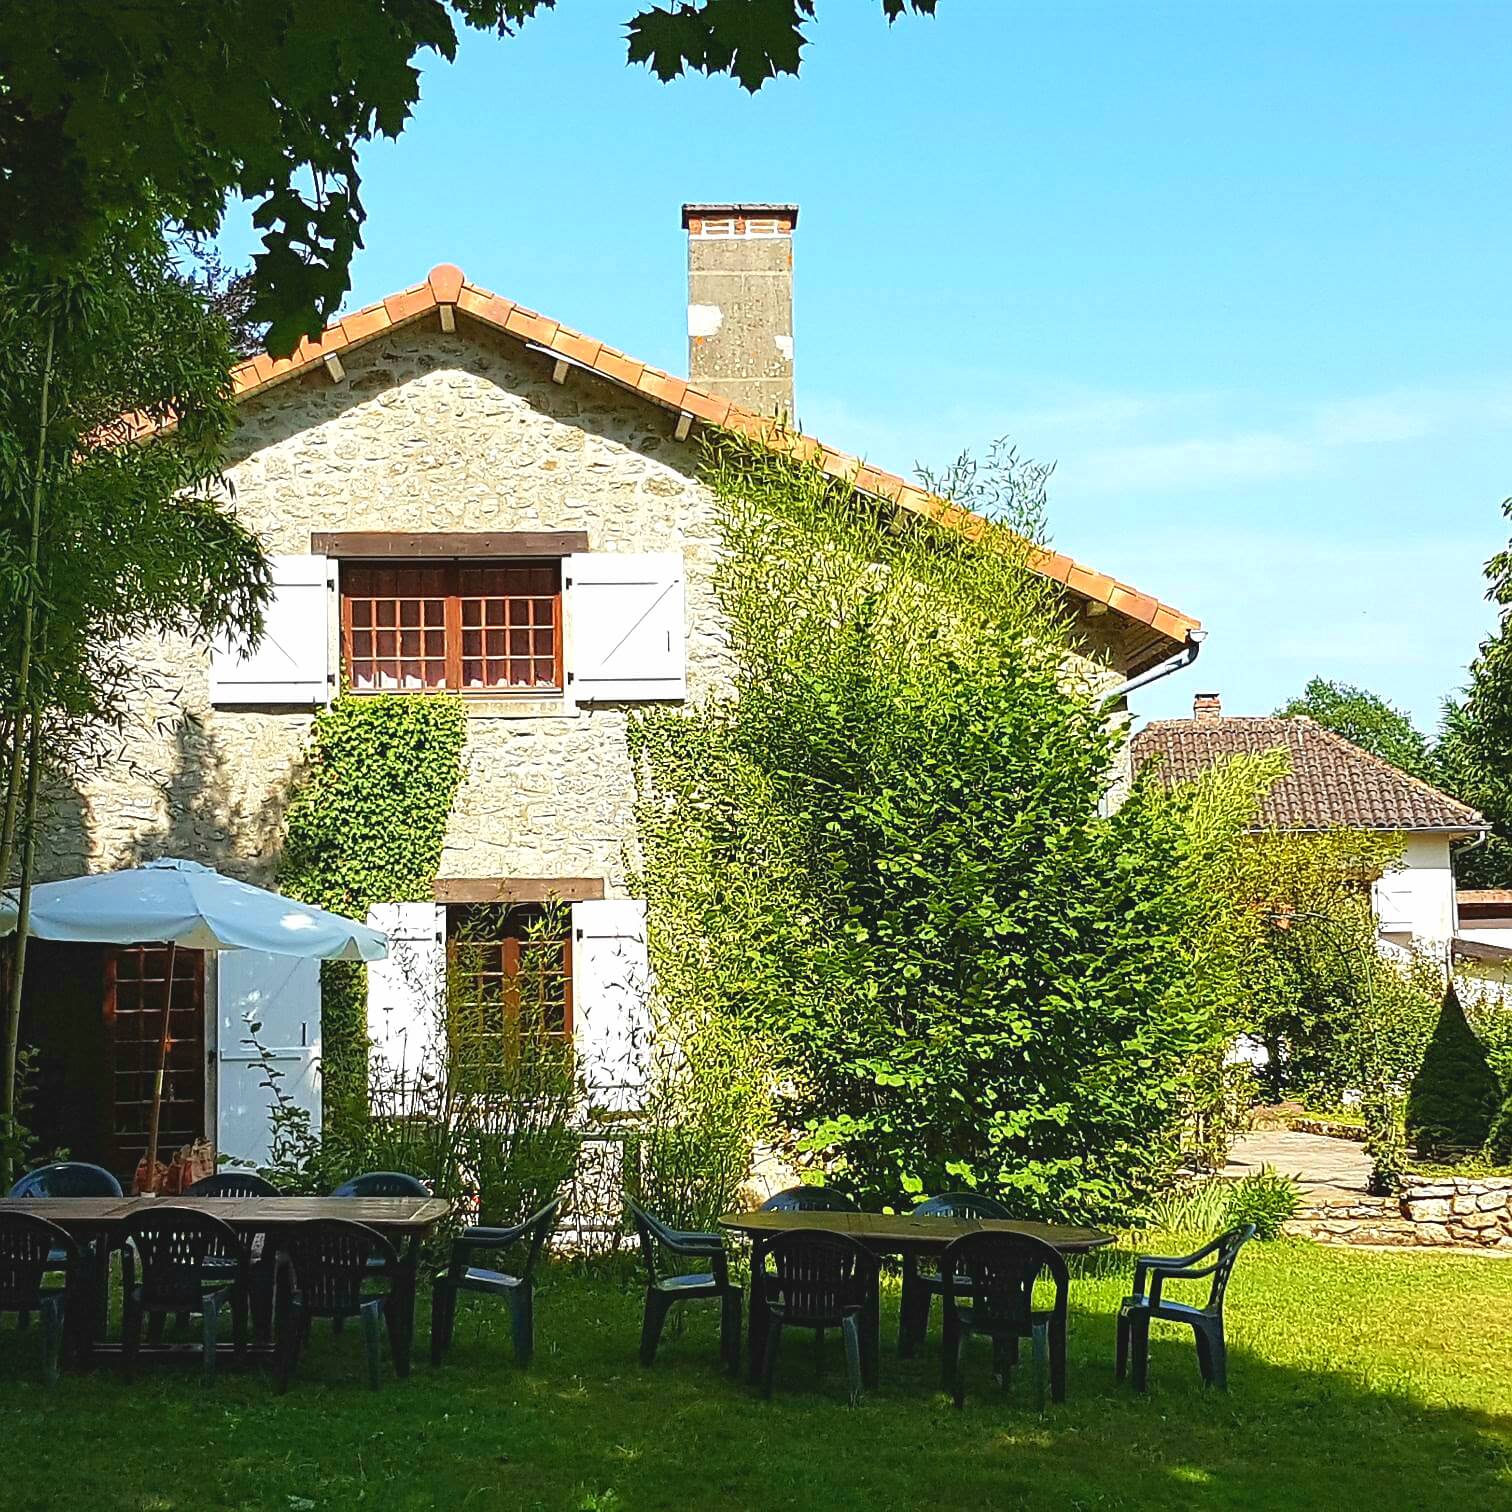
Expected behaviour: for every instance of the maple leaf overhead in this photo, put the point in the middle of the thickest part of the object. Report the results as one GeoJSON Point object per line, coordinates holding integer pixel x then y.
{"type": "Point", "coordinates": [107, 108]}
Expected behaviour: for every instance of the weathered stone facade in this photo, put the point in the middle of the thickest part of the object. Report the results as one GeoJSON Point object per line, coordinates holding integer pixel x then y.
{"type": "Point", "coordinates": [427, 431]}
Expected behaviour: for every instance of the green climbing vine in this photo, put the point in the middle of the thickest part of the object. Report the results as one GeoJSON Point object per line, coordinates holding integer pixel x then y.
{"type": "Point", "coordinates": [366, 825]}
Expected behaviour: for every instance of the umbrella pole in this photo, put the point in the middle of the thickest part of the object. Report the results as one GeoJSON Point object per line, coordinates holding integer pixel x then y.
{"type": "Point", "coordinates": [157, 1086]}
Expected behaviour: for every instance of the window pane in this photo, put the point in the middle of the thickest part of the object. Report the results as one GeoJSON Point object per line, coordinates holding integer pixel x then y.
{"type": "Point", "coordinates": [509, 975]}
{"type": "Point", "coordinates": [396, 618]}
{"type": "Point", "coordinates": [510, 600]}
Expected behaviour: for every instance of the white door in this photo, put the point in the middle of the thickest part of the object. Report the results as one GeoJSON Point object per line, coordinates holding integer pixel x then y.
{"type": "Point", "coordinates": [611, 984]}
{"type": "Point", "coordinates": [272, 1002]}
{"type": "Point", "coordinates": [406, 996]}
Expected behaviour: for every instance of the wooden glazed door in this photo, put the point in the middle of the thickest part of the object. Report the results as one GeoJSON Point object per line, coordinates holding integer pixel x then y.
{"type": "Point", "coordinates": [134, 995]}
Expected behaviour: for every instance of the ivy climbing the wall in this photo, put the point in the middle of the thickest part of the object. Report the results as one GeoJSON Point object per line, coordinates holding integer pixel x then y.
{"type": "Point", "coordinates": [366, 825]}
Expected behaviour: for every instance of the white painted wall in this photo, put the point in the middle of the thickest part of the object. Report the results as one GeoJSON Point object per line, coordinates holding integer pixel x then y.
{"type": "Point", "coordinates": [1416, 901]}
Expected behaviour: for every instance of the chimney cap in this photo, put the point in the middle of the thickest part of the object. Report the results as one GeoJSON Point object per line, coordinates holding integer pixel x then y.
{"type": "Point", "coordinates": [745, 209]}
{"type": "Point", "coordinates": [1207, 707]}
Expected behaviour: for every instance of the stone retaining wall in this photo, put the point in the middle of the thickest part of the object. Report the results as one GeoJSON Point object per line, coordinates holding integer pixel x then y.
{"type": "Point", "coordinates": [1454, 1210]}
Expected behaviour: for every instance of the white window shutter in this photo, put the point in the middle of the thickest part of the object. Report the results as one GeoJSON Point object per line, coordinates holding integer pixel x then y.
{"type": "Point", "coordinates": [406, 994]}
{"type": "Point", "coordinates": [626, 633]}
{"type": "Point", "coordinates": [274, 1000]}
{"type": "Point", "coordinates": [291, 663]}
{"type": "Point", "coordinates": [611, 986]}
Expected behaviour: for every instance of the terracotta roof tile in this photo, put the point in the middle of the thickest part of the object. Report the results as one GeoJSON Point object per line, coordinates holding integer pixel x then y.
{"type": "Point", "coordinates": [670, 391]}
{"type": "Point", "coordinates": [1331, 783]}
{"type": "Point", "coordinates": [619, 367]}
{"type": "Point", "coordinates": [362, 325]}
{"type": "Point", "coordinates": [447, 285]}
{"type": "Point", "coordinates": [410, 303]}
{"type": "Point", "coordinates": [482, 305]}
{"type": "Point", "coordinates": [578, 347]}
{"type": "Point", "coordinates": [530, 326]}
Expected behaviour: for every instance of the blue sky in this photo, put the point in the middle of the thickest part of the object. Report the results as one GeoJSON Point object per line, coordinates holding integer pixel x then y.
{"type": "Point", "coordinates": [1240, 270]}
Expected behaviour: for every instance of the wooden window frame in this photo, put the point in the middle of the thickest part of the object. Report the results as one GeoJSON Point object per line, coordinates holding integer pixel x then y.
{"type": "Point", "coordinates": [510, 948]}
{"type": "Point", "coordinates": [453, 629]}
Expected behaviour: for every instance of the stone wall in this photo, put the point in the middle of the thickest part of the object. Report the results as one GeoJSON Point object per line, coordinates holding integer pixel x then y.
{"type": "Point", "coordinates": [1461, 1210]}
{"type": "Point", "coordinates": [426, 432]}
{"type": "Point", "coordinates": [1455, 1211]}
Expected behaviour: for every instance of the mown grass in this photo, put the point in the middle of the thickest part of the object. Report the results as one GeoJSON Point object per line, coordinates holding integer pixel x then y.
{"type": "Point", "coordinates": [1359, 1379]}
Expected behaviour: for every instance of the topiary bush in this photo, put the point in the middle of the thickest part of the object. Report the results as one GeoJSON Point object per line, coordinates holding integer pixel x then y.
{"type": "Point", "coordinates": [1455, 1094]}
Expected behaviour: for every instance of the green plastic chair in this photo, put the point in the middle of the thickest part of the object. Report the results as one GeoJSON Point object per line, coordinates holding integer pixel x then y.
{"type": "Point", "coordinates": [167, 1269]}
{"type": "Point", "coordinates": [324, 1270]}
{"type": "Point", "coordinates": [664, 1291]}
{"type": "Point", "coordinates": [815, 1279]}
{"type": "Point", "coordinates": [989, 1290]}
{"type": "Point", "coordinates": [519, 1291]}
{"type": "Point", "coordinates": [922, 1286]}
{"type": "Point", "coordinates": [808, 1199]}
{"type": "Point", "coordinates": [1151, 1272]}
{"type": "Point", "coordinates": [262, 1257]}
{"type": "Point", "coordinates": [30, 1247]}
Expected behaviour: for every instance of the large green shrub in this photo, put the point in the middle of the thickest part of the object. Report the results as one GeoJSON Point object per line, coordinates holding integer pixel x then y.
{"type": "Point", "coordinates": [1454, 1095]}
{"type": "Point", "coordinates": [886, 854]}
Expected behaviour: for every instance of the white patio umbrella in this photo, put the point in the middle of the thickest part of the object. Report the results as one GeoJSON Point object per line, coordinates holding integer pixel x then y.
{"type": "Point", "coordinates": [184, 903]}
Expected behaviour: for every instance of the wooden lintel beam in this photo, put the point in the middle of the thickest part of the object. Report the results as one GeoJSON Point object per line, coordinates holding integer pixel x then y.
{"type": "Point", "coordinates": [518, 889]}
{"type": "Point", "coordinates": [414, 545]}
{"type": "Point", "coordinates": [448, 315]}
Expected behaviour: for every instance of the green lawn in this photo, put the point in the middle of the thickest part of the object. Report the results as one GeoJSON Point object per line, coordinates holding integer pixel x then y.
{"type": "Point", "coordinates": [1362, 1379]}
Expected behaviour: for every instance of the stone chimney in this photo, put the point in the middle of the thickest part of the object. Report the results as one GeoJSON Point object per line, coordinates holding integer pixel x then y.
{"type": "Point", "coordinates": [740, 303]}
{"type": "Point", "coordinates": [1207, 708]}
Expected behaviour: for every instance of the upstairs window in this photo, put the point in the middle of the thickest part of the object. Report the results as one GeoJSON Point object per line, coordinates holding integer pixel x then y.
{"type": "Point", "coordinates": [468, 627]}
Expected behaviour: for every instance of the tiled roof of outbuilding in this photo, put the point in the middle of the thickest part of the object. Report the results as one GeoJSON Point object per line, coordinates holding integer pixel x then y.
{"type": "Point", "coordinates": [1332, 782]}
{"type": "Point", "coordinates": [446, 286]}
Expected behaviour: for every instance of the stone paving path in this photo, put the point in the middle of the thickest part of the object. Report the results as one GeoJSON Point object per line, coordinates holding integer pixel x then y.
{"type": "Point", "coordinates": [1320, 1164]}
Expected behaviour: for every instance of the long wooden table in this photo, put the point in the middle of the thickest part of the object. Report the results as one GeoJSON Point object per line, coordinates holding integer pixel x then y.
{"type": "Point", "coordinates": [886, 1234]}
{"type": "Point", "coordinates": [103, 1220]}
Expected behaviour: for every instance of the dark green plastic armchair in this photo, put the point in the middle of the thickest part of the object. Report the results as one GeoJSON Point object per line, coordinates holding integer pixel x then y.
{"type": "Point", "coordinates": [668, 1285]}
{"type": "Point", "coordinates": [518, 1290]}
{"type": "Point", "coordinates": [1147, 1304]}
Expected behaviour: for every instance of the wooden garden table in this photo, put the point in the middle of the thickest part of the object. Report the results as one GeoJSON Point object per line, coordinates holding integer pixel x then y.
{"type": "Point", "coordinates": [104, 1219]}
{"type": "Point", "coordinates": [887, 1234]}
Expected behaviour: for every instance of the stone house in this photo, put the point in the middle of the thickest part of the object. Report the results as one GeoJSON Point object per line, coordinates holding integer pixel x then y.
{"type": "Point", "coordinates": [457, 493]}
{"type": "Point", "coordinates": [1333, 784]}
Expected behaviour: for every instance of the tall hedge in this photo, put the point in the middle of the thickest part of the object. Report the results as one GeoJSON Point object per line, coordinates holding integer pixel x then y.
{"type": "Point", "coordinates": [1455, 1094]}
{"type": "Point", "coordinates": [887, 852]}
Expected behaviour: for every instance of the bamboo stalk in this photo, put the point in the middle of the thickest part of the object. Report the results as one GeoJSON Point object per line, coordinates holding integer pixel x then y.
{"type": "Point", "coordinates": [28, 619]}
{"type": "Point", "coordinates": [23, 766]}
